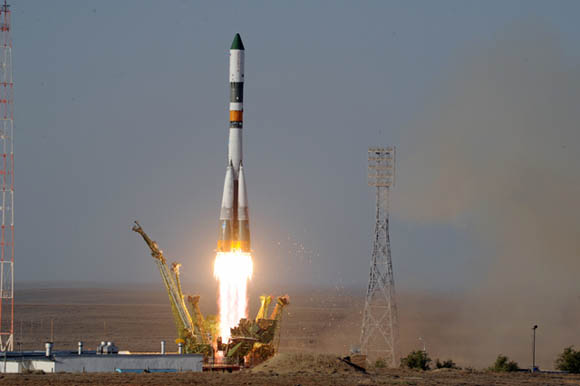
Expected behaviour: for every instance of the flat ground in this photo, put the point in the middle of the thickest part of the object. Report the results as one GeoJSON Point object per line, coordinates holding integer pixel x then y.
{"type": "Point", "coordinates": [304, 378]}
{"type": "Point", "coordinates": [138, 319]}
{"type": "Point", "coordinates": [316, 322]}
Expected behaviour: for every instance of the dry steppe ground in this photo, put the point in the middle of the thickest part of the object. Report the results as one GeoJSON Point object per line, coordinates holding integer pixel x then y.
{"type": "Point", "coordinates": [316, 322]}
{"type": "Point", "coordinates": [138, 319]}
{"type": "Point", "coordinates": [299, 369]}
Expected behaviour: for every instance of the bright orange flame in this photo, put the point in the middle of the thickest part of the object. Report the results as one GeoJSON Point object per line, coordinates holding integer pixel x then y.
{"type": "Point", "coordinates": [232, 270]}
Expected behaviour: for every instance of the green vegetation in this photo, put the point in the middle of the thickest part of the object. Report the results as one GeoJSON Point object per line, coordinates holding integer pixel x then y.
{"type": "Point", "coordinates": [503, 363]}
{"type": "Point", "coordinates": [448, 364]}
{"type": "Point", "coordinates": [569, 360]}
{"type": "Point", "coordinates": [380, 363]}
{"type": "Point", "coordinates": [416, 360]}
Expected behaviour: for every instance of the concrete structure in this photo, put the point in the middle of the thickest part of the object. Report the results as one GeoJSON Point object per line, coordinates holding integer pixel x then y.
{"type": "Point", "coordinates": [91, 362]}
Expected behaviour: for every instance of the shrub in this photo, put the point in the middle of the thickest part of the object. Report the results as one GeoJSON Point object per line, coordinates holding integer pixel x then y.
{"type": "Point", "coordinates": [448, 364]}
{"type": "Point", "coordinates": [569, 360]}
{"type": "Point", "coordinates": [380, 363]}
{"type": "Point", "coordinates": [503, 363]}
{"type": "Point", "coordinates": [416, 360]}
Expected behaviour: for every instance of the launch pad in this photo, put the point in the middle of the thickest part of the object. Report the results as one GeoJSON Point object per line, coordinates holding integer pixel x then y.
{"type": "Point", "coordinates": [249, 343]}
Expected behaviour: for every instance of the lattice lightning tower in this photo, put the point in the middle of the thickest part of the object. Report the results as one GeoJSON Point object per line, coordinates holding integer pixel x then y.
{"type": "Point", "coordinates": [6, 184]}
{"type": "Point", "coordinates": [380, 327]}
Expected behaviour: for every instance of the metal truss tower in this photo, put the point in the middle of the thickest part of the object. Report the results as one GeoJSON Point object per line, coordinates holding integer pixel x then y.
{"type": "Point", "coordinates": [380, 327]}
{"type": "Point", "coordinates": [6, 183]}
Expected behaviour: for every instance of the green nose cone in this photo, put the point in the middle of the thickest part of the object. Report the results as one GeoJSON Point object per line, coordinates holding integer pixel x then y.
{"type": "Point", "coordinates": [237, 43]}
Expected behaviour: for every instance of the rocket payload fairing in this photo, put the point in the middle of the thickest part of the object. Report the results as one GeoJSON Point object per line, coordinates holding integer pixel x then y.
{"type": "Point", "coordinates": [234, 232]}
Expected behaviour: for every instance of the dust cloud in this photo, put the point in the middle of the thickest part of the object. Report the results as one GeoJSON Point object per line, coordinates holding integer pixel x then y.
{"type": "Point", "coordinates": [496, 156]}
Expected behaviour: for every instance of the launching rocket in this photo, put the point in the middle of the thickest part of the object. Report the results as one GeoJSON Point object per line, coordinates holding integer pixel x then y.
{"type": "Point", "coordinates": [234, 232]}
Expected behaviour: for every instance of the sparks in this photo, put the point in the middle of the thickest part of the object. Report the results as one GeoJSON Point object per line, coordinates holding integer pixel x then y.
{"type": "Point", "coordinates": [232, 270]}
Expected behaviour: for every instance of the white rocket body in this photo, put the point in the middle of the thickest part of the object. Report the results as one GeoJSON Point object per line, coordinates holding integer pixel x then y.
{"type": "Point", "coordinates": [235, 153]}
{"type": "Point", "coordinates": [234, 234]}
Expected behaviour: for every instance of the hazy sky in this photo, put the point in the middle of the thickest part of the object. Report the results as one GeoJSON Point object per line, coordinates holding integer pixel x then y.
{"type": "Point", "coordinates": [121, 114]}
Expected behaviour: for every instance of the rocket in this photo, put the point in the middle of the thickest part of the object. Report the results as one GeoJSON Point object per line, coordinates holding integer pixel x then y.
{"type": "Point", "coordinates": [234, 232]}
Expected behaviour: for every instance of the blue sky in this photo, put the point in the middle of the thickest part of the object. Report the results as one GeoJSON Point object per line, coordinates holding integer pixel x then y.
{"type": "Point", "coordinates": [121, 114]}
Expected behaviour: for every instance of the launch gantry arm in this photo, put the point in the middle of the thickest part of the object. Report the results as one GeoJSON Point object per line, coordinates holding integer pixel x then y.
{"type": "Point", "coordinates": [175, 267]}
{"type": "Point", "coordinates": [172, 285]}
{"type": "Point", "coordinates": [281, 302]}
{"type": "Point", "coordinates": [276, 315]}
{"type": "Point", "coordinates": [155, 251]}
{"type": "Point", "coordinates": [198, 320]}
{"type": "Point", "coordinates": [265, 301]}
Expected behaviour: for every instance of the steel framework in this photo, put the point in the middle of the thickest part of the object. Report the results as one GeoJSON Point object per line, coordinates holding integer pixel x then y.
{"type": "Point", "coordinates": [380, 327]}
{"type": "Point", "coordinates": [6, 183]}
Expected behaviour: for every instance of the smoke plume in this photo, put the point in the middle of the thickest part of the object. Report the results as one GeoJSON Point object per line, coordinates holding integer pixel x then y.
{"type": "Point", "coordinates": [498, 157]}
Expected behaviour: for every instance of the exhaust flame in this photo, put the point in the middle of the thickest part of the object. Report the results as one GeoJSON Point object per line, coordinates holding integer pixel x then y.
{"type": "Point", "coordinates": [232, 270]}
